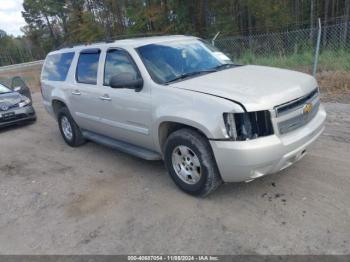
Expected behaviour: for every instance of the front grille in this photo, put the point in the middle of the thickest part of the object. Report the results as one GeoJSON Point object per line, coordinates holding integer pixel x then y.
{"type": "Point", "coordinates": [291, 115]}
{"type": "Point", "coordinates": [298, 103]}
{"type": "Point", "coordinates": [298, 120]}
{"type": "Point", "coordinates": [12, 118]}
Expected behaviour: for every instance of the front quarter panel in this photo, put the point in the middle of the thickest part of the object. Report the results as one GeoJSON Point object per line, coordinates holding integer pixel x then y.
{"type": "Point", "coordinates": [201, 111]}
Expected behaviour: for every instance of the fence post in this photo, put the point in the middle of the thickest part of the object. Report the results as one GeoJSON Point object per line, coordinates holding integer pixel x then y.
{"type": "Point", "coordinates": [214, 38]}
{"type": "Point", "coordinates": [317, 52]}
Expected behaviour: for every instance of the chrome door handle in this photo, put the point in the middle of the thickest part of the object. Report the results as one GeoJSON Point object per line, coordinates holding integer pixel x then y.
{"type": "Point", "coordinates": [76, 92]}
{"type": "Point", "coordinates": [105, 98]}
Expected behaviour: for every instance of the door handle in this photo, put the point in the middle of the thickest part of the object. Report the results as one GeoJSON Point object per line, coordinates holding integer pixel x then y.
{"type": "Point", "coordinates": [105, 98]}
{"type": "Point", "coordinates": [76, 92]}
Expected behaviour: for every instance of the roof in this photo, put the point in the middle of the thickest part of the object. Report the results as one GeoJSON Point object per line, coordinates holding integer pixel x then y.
{"type": "Point", "coordinates": [140, 41]}
{"type": "Point", "coordinates": [132, 42]}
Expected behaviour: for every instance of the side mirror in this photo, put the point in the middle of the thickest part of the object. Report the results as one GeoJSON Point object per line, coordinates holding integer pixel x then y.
{"type": "Point", "coordinates": [17, 88]}
{"type": "Point", "coordinates": [126, 80]}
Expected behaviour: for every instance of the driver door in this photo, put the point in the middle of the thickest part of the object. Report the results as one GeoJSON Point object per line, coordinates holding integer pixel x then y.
{"type": "Point", "coordinates": [127, 112]}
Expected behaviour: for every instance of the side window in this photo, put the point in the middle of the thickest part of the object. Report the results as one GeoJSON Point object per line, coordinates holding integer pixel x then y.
{"type": "Point", "coordinates": [87, 66]}
{"type": "Point", "coordinates": [57, 66]}
{"type": "Point", "coordinates": [119, 61]}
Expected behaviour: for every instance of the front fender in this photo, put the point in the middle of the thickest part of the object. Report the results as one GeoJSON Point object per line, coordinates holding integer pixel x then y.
{"type": "Point", "coordinates": [201, 111]}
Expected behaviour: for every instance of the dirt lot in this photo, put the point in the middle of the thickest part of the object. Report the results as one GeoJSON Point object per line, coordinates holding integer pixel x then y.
{"type": "Point", "coordinates": [59, 200]}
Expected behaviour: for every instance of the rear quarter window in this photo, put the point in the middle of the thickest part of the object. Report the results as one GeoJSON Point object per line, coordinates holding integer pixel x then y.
{"type": "Point", "coordinates": [56, 66]}
{"type": "Point", "coordinates": [87, 66]}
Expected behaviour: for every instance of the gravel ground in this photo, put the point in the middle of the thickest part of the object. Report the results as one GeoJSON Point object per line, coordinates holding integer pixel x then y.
{"type": "Point", "coordinates": [60, 200]}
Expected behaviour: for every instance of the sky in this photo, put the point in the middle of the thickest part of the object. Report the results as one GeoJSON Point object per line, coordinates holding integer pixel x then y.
{"type": "Point", "coordinates": [11, 19]}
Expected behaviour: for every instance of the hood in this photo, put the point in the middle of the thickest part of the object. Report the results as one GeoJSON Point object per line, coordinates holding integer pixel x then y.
{"type": "Point", "coordinates": [10, 99]}
{"type": "Point", "coordinates": [256, 87]}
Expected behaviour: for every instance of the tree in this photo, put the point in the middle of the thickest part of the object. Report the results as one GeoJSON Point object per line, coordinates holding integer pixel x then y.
{"type": "Point", "coordinates": [51, 23]}
{"type": "Point", "coordinates": [39, 13]}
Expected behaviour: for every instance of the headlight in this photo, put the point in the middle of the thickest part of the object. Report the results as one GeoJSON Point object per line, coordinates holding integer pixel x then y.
{"type": "Point", "coordinates": [24, 102]}
{"type": "Point", "coordinates": [230, 124]}
{"type": "Point", "coordinates": [248, 125]}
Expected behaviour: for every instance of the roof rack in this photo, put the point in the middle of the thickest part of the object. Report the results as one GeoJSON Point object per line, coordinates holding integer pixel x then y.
{"type": "Point", "coordinates": [110, 40]}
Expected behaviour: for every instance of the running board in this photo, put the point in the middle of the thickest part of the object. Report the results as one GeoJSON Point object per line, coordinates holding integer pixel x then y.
{"type": "Point", "coordinates": [122, 146]}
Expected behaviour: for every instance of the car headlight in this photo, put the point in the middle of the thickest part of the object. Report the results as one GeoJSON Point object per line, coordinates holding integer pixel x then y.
{"type": "Point", "coordinates": [248, 125]}
{"type": "Point", "coordinates": [24, 102]}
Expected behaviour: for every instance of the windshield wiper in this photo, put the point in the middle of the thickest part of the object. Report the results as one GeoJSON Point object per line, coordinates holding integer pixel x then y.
{"type": "Point", "coordinates": [223, 66]}
{"type": "Point", "coordinates": [187, 75]}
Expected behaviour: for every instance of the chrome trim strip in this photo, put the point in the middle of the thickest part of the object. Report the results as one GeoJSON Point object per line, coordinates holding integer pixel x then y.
{"type": "Point", "coordinates": [309, 97]}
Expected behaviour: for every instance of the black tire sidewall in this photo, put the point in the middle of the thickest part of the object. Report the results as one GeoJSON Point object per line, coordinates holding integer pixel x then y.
{"type": "Point", "coordinates": [200, 151]}
{"type": "Point", "coordinates": [64, 112]}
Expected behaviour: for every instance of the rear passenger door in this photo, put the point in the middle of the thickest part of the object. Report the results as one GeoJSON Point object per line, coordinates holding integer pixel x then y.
{"type": "Point", "coordinates": [84, 104]}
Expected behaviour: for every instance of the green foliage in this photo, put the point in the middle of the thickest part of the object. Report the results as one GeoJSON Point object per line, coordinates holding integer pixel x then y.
{"type": "Point", "coordinates": [53, 23]}
{"type": "Point", "coordinates": [329, 60]}
{"type": "Point", "coordinates": [12, 49]}
{"type": "Point", "coordinates": [85, 30]}
{"type": "Point", "coordinates": [335, 60]}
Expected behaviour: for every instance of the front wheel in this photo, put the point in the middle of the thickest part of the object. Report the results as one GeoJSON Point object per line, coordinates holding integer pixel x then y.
{"type": "Point", "coordinates": [190, 162]}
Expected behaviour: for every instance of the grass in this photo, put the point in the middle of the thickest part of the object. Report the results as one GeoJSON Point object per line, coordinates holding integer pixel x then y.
{"type": "Point", "coordinates": [303, 61]}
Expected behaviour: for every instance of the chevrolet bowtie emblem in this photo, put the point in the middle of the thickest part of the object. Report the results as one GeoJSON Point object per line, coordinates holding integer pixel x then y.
{"type": "Point", "coordinates": [307, 108]}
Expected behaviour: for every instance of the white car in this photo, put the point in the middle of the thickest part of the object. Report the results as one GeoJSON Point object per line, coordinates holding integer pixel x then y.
{"type": "Point", "coordinates": [179, 99]}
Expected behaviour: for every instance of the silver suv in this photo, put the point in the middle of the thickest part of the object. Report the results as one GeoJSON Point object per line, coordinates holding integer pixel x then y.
{"type": "Point", "coordinates": [179, 99]}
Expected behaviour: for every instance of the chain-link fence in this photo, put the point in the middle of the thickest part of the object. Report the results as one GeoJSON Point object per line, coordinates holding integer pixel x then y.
{"type": "Point", "coordinates": [289, 49]}
{"type": "Point", "coordinates": [293, 49]}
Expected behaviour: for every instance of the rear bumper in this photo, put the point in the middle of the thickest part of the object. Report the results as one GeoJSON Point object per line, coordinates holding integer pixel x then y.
{"type": "Point", "coordinates": [247, 160]}
{"type": "Point", "coordinates": [23, 114]}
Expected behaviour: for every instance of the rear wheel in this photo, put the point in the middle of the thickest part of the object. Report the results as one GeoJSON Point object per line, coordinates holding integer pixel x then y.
{"type": "Point", "coordinates": [190, 162]}
{"type": "Point", "coordinates": [69, 129]}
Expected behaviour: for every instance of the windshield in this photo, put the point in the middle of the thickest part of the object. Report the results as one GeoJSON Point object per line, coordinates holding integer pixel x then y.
{"type": "Point", "coordinates": [4, 89]}
{"type": "Point", "coordinates": [170, 61]}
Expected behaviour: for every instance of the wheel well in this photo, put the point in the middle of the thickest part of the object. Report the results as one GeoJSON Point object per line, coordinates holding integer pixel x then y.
{"type": "Point", "coordinates": [166, 128]}
{"type": "Point", "coordinates": [57, 105]}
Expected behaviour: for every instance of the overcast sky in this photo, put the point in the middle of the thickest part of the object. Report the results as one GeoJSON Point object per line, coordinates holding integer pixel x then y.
{"type": "Point", "coordinates": [11, 19]}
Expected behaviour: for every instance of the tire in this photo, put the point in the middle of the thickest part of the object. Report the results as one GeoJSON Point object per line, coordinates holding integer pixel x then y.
{"type": "Point", "coordinates": [185, 142]}
{"type": "Point", "coordinates": [75, 137]}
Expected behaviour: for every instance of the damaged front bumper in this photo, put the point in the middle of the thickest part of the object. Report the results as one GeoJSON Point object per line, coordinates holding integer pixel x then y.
{"type": "Point", "coordinates": [247, 160]}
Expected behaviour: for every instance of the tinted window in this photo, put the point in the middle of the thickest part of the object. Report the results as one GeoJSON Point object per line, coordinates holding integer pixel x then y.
{"type": "Point", "coordinates": [118, 61]}
{"type": "Point", "coordinates": [87, 67]}
{"type": "Point", "coordinates": [57, 66]}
